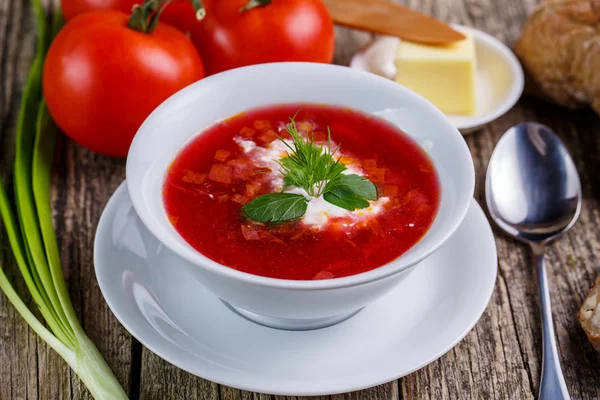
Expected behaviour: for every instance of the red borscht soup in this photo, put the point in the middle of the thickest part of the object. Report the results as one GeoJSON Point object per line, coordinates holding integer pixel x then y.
{"type": "Point", "coordinates": [227, 186]}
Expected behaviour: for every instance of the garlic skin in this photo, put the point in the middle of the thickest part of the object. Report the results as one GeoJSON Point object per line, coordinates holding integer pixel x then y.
{"type": "Point", "coordinates": [379, 57]}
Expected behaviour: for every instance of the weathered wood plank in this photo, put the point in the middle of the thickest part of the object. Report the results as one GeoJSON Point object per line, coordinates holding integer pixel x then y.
{"type": "Point", "coordinates": [20, 352]}
{"type": "Point", "coordinates": [388, 391]}
{"type": "Point", "coordinates": [161, 380]}
{"type": "Point", "coordinates": [83, 183]}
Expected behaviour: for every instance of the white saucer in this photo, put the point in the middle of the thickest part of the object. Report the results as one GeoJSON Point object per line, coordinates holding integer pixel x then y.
{"type": "Point", "coordinates": [499, 76]}
{"type": "Point", "coordinates": [156, 300]}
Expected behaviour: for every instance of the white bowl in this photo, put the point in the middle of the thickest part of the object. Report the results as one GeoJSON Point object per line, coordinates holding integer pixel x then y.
{"type": "Point", "coordinates": [287, 303]}
{"type": "Point", "coordinates": [498, 78]}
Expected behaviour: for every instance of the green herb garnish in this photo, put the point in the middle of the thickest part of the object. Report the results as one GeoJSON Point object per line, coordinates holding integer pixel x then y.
{"type": "Point", "coordinates": [276, 207]}
{"type": "Point", "coordinates": [314, 169]}
{"type": "Point", "coordinates": [350, 192]}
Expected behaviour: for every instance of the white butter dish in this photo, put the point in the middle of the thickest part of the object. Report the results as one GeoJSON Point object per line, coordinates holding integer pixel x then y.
{"type": "Point", "coordinates": [498, 78]}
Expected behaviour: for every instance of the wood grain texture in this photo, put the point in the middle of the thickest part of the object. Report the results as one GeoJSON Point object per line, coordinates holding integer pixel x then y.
{"type": "Point", "coordinates": [499, 359]}
{"type": "Point", "coordinates": [82, 183]}
{"type": "Point", "coordinates": [25, 361]}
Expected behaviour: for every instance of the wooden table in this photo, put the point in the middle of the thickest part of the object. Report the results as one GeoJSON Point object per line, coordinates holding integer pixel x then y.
{"type": "Point", "coordinates": [499, 359]}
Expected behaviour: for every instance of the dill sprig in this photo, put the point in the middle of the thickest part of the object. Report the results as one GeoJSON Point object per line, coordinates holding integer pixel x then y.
{"type": "Point", "coordinates": [309, 166]}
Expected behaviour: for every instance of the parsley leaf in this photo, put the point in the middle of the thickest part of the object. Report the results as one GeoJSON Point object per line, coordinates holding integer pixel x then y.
{"type": "Point", "coordinates": [357, 185]}
{"type": "Point", "coordinates": [276, 207]}
{"type": "Point", "coordinates": [345, 199]}
{"type": "Point", "coordinates": [350, 192]}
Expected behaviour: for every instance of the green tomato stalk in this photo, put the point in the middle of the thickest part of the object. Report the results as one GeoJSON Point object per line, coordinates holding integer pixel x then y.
{"type": "Point", "coordinates": [254, 3]}
{"type": "Point", "coordinates": [144, 17]}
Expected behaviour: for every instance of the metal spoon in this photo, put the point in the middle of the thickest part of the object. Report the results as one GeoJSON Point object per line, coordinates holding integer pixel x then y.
{"type": "Point", "coordinates": [534, 194]}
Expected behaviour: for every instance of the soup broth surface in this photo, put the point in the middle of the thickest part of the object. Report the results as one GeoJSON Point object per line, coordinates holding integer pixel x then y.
{"type": "Point", "coordinates": [236, 160]}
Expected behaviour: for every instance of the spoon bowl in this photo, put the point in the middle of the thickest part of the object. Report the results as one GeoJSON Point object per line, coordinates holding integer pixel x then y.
{"type": "Point", "coordinates": [533, 193]}
{"type": "Point", "coordinates": [533, 190]}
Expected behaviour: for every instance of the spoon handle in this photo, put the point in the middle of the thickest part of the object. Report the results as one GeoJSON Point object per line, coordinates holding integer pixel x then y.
{"type": "Point", "coordinates": [552, 382]}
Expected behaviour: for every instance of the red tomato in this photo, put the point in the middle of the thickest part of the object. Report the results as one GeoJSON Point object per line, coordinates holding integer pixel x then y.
{"type": "Point", "coordinates": [101, 79]}
{"type": "Point", "coordinates": [180, 13]}
{"type": "Point", "coordinates": [284, 30]}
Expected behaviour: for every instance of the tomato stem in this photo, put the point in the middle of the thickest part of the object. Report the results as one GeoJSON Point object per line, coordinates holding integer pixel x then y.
{"type": "Point", "coordinates": [145, 16]}
{"type": "Point", "coordinates": [199, 8]}
{"type": "Point", "coordinates": [254, 4]}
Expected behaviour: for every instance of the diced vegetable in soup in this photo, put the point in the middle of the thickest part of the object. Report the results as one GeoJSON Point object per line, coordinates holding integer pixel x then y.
{"type": "Point", "coordinates": [302, 192]}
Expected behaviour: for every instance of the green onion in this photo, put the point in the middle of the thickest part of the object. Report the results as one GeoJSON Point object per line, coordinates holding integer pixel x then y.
{"type": "Point", "coordinates": [32, 238]}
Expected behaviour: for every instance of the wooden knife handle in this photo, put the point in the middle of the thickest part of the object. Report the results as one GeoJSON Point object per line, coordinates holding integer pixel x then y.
{"type": "Point", "coordinates": [387, 18]}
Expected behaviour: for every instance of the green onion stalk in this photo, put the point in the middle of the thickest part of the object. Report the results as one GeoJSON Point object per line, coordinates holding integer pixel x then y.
{"type": "Point", "coordinates": [31, 234]}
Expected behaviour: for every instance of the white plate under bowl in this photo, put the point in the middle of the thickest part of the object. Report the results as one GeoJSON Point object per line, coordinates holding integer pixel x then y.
{"type": "Point", "coordinates": [157, 301]}
{"type": "Point", "coordinates": [498, 78]}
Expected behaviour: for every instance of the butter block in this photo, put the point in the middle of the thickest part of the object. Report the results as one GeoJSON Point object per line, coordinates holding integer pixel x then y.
{"type": "Point", "coordinates": [444, 75]}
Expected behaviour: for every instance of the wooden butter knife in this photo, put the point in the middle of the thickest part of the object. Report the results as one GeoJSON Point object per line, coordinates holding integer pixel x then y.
{"type": "Point", "coordinates": [387, 18]}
